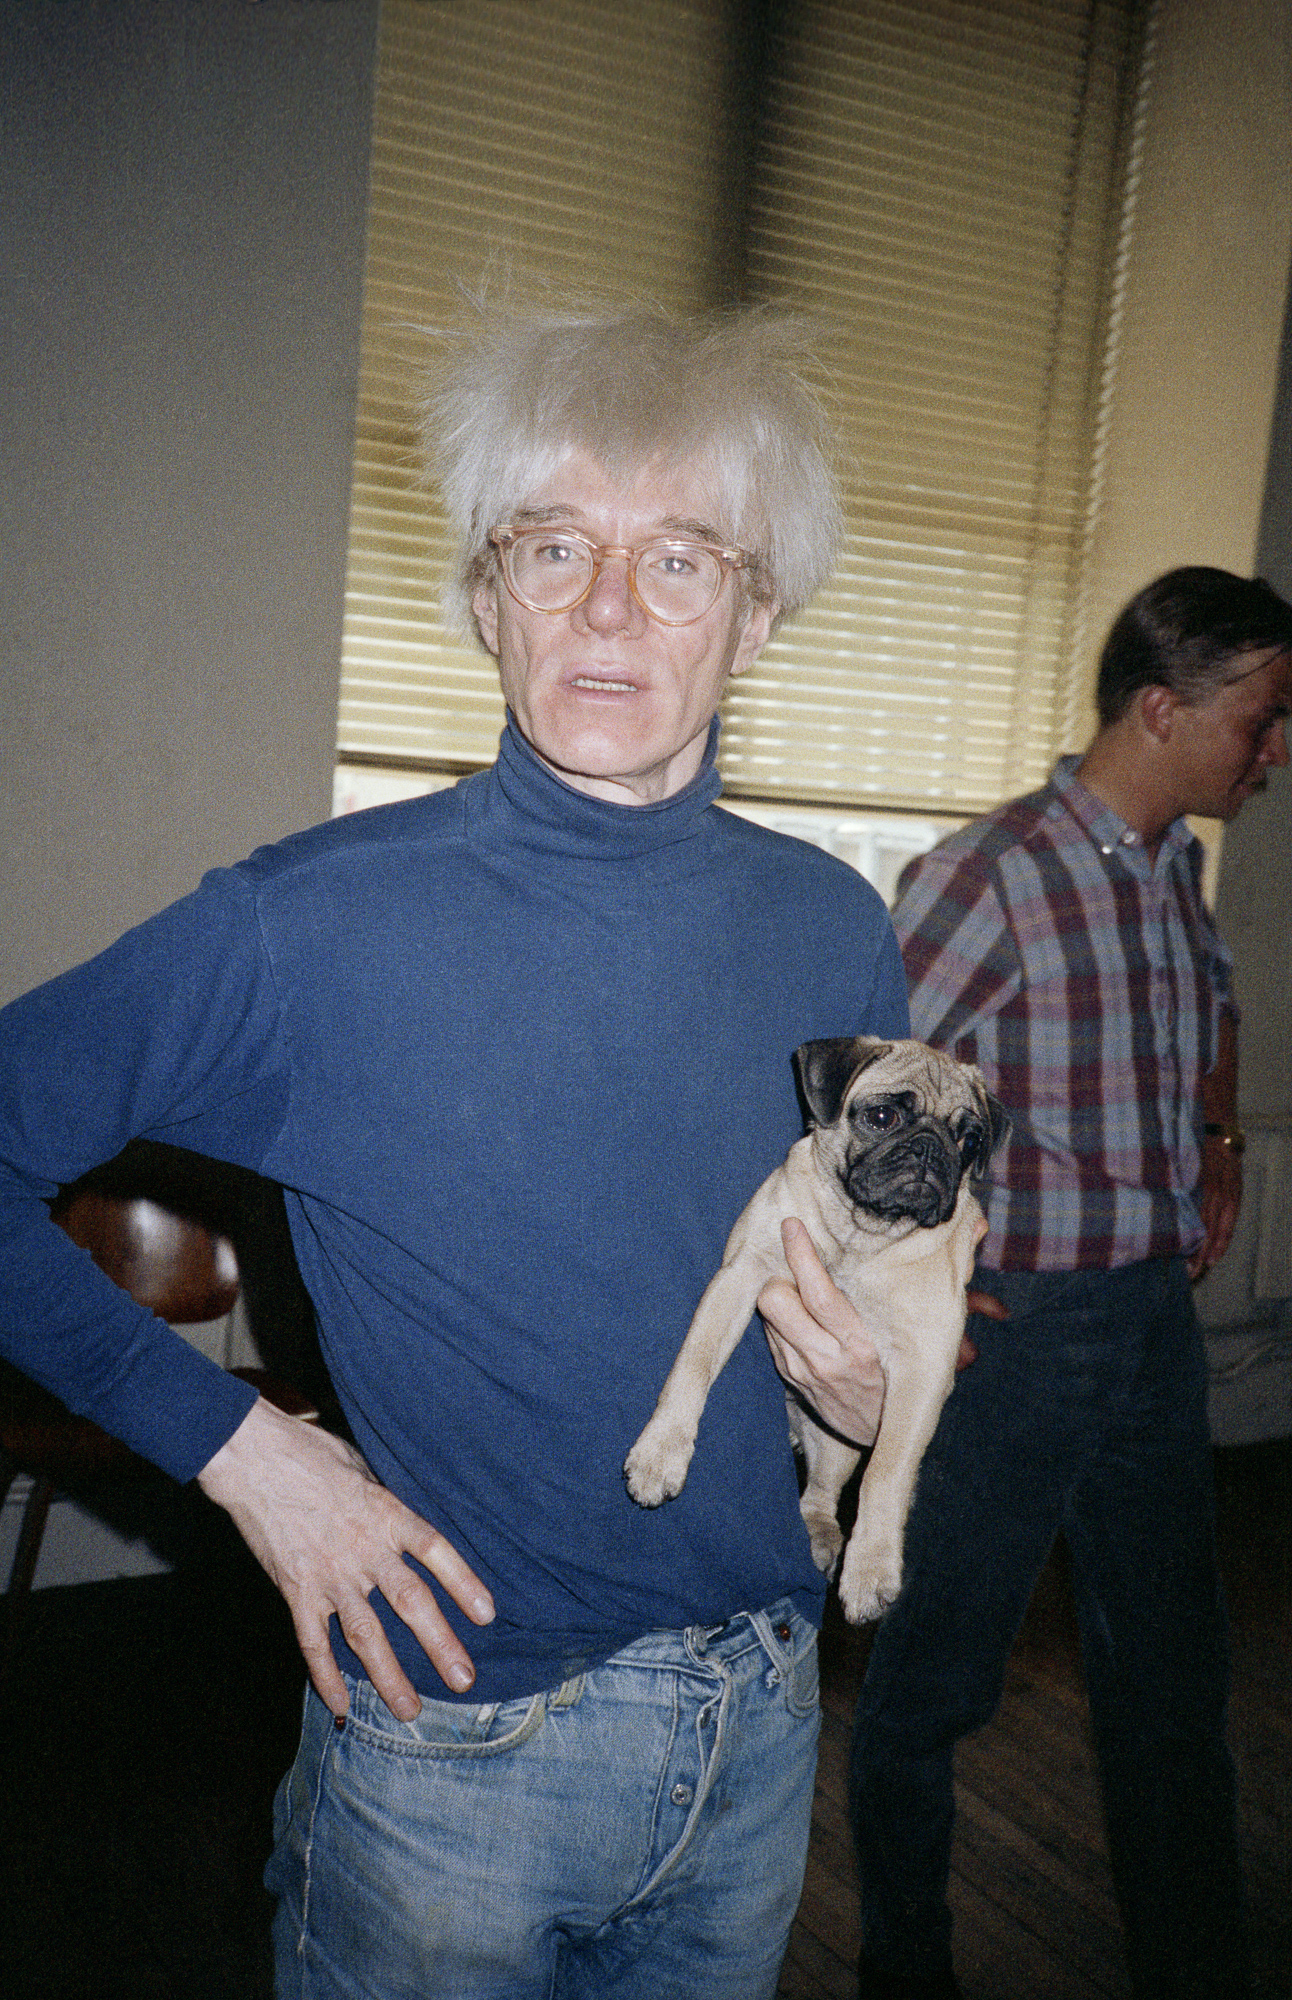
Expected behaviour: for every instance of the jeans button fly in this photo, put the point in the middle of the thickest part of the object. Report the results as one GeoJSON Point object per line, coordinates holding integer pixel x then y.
{"type": "Point", "coordinates": [681, 1795]}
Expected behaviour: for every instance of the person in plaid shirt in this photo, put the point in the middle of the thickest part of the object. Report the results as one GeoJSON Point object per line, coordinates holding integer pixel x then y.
{"type": "Point", "coordinates": [1062, 944]}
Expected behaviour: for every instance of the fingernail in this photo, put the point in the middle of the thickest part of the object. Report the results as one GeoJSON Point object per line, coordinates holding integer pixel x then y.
{"type": "Point", "coordinates": [459, 1676]}
{"type": "Point", "coordinates": [483, 1609]}
{"type": "Point", "coordinates": [407, 1708]}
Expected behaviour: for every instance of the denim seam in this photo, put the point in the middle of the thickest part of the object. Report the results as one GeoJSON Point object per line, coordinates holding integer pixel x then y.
{"type": "Point", "coordinates": [802, 1707]}
{"type": "Point", "coordinates": [715, 1663]}
{"type": "Point", "coordinates": [413, 1750]}
{"type": "Point", "coordinates": [661, 1789]}
{"type": "Point", "coordinates": [708, 1770]}
{"type": "Point", "coordinates": [329, 1748]}
{"type": "Point", "coordinates": [787, 1663]}
{"type": "Point", "coordinates": [708, 1663]}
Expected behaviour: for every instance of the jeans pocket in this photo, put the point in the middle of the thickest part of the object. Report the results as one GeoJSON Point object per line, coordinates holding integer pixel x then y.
{"type": "Point", "coordinates": [446, 1729]}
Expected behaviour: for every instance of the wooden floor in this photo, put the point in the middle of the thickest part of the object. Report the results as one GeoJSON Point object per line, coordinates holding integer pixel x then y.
{"type": "Point", "coordinates": [148, 1723]}
{"type": "Point", "coordinates": [1031, 1893]}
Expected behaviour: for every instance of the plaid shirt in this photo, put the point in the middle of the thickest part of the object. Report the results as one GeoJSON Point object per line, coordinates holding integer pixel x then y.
{"type": "Point", "coordinates": [1087, 982]}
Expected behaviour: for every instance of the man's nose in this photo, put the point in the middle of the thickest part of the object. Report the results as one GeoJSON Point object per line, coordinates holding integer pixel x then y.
{"type": "Point", "coordinates": [610, 604]}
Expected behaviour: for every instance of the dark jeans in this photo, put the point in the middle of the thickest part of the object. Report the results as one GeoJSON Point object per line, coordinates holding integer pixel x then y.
{"type": "Point", "coordinates": [1085, 1414]}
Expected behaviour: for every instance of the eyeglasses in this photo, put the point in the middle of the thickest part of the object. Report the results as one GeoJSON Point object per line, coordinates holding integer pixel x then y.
{"type": "Point", "coordinates": [674, 580]}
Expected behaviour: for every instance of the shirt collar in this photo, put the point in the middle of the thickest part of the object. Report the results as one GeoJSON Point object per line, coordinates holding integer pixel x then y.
{"type": "Point", "coordinates": [1106, 828]}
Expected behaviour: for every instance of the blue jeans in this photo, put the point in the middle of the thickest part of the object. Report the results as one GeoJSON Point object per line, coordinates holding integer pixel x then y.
{"type": "Point", "coordinates": [640, 1831]}
{"type": "Point", "coordinates": [1085, 1415]}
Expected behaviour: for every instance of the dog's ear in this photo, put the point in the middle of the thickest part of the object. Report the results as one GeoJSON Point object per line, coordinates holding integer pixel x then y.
{"type": "Point", "coordinates": [823, 1070]}
{"type": "Point", "coordinates": [978, 1145]}
{"type": "Point", "coordinates": [1001, 1122]}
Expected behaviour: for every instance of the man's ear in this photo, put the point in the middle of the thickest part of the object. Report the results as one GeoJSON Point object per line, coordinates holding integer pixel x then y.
{"type": "Point", "coordinates": [484, 603]}
{"type": "Point", "coordinates": [757, 631]}
{"type": "Point", "coordinates": [1157, 709]}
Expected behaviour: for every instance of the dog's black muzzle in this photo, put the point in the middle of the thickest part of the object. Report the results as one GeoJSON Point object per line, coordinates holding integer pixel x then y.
{"type": "Point", "coordinates": [914, 1176]}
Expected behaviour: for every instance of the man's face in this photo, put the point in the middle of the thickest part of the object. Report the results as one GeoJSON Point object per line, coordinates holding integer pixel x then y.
{"type": "Point", "coordinates": [616, 703]}
{"type": "Point", "coordinates": [1228, 744]}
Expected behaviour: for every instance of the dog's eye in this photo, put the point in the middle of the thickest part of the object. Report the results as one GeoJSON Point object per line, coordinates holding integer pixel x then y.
{"type": "Point", "coordinates": [882, 1117]}
{"type": "Point", "coordinates": [973, 1145]}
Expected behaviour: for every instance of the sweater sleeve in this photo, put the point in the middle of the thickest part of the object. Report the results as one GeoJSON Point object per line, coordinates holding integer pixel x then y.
{"type": "Point", "coordinates": [172, 1033]}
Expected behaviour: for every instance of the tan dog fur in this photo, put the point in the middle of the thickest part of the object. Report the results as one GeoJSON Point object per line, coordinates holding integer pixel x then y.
{"type": "Point", "coordinates": [907, 1283]}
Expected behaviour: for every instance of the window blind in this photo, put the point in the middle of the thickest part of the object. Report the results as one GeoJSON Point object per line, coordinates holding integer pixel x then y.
{"type": "Point", "coordinates": [937, 184]}
{"type": "Point", "coordinates": [561, 146]}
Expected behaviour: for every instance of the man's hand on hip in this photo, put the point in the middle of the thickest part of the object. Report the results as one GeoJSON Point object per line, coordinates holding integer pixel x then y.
{"type": "Point", "coordinates": [328, 1535]}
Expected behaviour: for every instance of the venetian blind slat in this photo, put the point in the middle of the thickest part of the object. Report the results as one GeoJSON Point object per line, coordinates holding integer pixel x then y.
{"type": "Point", "coordinates": [937, 179]}
{"type": "Point", "coordinates": [564, 143]}
{"type": "Point", "coordinates": [936, 187]}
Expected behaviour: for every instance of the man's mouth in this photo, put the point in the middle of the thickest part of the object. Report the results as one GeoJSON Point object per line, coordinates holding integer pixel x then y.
{"type": "Point", "coordinates": [596, 685]}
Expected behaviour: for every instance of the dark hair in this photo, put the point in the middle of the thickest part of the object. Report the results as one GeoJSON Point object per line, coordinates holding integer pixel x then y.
{"type": "Point", "coordinates": [1182, 632]}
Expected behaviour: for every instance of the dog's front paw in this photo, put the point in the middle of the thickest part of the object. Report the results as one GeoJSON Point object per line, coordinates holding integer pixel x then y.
{"type": "Point", "coordinates": [825, 1535]}
{"type": "Point", "coordinates": [870, 1580]}
{"type": "Point", "coordinates": [656, 1467]}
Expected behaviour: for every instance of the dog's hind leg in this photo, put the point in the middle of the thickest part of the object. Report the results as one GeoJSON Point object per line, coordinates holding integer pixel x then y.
{"type": "Point", "coordinates": [923, 1343]}
{"type": "Point", "coordinates": [872, 1565]}
{"type": "Point", "coordinates": [829, 1463]}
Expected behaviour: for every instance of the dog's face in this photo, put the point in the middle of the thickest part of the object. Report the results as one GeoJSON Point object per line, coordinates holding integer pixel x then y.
{"type": "Point", "coordinates": [898, 1123]}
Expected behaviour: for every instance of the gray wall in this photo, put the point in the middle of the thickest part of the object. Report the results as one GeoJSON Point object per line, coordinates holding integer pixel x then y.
{"type": "Point", "coordinates": [182, 196]}
{"type": "Point", "coordinates": [1254, 900]}
{"type": "Point", "coordinates": [1246, 1302]}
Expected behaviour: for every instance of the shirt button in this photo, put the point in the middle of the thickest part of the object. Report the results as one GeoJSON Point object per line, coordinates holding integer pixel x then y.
{"type": "Point", "coordinates": [681, 1795]}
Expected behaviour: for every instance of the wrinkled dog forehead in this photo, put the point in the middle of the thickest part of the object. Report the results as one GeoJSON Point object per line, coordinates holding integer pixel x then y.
{"type": "Point", "coordinates": [938, 1083]}
{"type": "Point", "coordinates": [839, 1071]}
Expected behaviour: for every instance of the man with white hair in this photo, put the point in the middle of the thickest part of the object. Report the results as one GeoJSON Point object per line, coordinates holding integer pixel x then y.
{"type": "Point", "coordinates": [519, 1053]}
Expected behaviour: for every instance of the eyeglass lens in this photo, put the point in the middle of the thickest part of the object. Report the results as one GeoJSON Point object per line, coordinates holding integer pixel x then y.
{"type": "Point", "coordinates": [678, 581]}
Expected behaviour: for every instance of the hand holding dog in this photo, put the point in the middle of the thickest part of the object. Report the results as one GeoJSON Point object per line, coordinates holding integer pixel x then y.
{"type": "Point", "coordinates": [819, 1344]}
{"type": "Point", "coordinates": [822, 1349]}
{"type": "Point", "coordinates": [327, 1534]}
{"type": "Point", "coordinates": [858, 1251]}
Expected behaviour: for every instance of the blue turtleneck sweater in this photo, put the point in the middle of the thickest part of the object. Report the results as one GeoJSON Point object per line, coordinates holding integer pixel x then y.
{"type": "Point", "coordinates": [520, 1058]}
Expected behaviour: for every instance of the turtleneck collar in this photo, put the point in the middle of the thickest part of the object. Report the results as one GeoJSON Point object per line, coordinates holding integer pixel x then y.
{"type": "Point", "coordinates": [527, 799]}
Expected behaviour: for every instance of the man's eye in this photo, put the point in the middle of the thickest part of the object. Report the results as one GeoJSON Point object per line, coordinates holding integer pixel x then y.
{"type": "Point", "coordinates": [553, 553]}
{"type": "Point", "coordinates": [673, 561]}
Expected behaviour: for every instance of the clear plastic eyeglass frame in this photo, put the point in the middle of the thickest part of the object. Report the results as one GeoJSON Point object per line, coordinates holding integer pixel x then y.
{"type": "Point", "coordinates": [506, 539]}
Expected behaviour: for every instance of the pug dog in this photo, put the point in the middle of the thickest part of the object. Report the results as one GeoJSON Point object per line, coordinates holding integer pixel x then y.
{"type": "Point", "coordinates": [898, 1135]}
